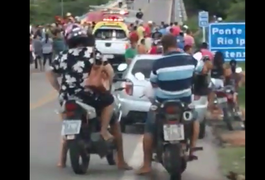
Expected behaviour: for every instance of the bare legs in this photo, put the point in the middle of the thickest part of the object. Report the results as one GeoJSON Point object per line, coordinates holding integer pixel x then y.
{"type": "Point", "coordinates": [120, 161]}
{"type": "Point", "coordinates": [147, 148]}
{"type": "Point", "coordinates": [105, 119]}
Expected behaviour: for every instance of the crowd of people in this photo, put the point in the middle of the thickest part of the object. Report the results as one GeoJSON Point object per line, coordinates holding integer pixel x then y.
{"type": "Point", "coordinates": [74, 47]}
{"type": "Point", "coordinates": [47, 41]}
{"type": "Point", "coordinates": [145, 38]}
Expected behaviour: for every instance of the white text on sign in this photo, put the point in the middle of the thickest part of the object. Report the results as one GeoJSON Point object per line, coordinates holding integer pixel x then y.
{"type": "Point", "coordinates": [229, 41]}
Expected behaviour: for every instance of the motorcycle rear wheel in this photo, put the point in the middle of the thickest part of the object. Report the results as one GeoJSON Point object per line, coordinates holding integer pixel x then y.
{"type": "Point", "coordinates": [77, 151]}
{"type": "Point", "coordinates": [177, 164]}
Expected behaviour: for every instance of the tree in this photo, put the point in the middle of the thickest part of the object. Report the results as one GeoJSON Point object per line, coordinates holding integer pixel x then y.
{"type": "Point", "coordinates": [42, 12]}
{"type": "Point", "coordinates": [236, 12]}
{"type": "Point", "coordinates": [234, 9]}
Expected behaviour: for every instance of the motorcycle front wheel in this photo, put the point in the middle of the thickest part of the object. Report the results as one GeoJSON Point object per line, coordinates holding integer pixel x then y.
{"type": "Point", "coordinates": [230, 120]}
{"type": "Point", "coordinates": [77, 152]}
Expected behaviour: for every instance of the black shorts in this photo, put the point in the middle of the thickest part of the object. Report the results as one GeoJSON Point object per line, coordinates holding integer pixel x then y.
{"type": "Point", "coordinates": [98, 101]}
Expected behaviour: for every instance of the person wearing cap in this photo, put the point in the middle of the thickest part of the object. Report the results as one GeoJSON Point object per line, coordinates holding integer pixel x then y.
{"type": "Point", "coordinates": [188, 39]}
{"type": "Point", "coordinates": [176, 29]}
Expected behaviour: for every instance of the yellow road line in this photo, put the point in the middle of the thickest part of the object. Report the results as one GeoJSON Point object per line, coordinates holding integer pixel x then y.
{"type": "Point", "coordinates": [44, 100]}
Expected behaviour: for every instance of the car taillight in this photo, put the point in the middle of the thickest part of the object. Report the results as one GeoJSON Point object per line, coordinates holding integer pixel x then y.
{"type": "Point", "coordinates": [128, 88]}
{"type": "Point", "coordinates": [70, 106]}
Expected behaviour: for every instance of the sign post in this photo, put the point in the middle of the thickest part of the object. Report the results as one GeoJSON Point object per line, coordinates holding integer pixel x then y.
{"type": "Point", "coordinates": [228, 38]}
{"type": "Point", "coordinates": [203, 23]}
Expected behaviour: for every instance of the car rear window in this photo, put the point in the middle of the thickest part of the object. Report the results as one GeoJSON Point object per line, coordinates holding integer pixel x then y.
{"type": "Point", "coordinates": [144, 66]}
{"type": "Point", "coordinates": [106, 34]}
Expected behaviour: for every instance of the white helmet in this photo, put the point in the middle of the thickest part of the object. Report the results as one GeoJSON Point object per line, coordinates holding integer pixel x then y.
{"type": "Point", "coordinates": [219, 19]}
{"type": "Point", "coordinates": [186, 27]}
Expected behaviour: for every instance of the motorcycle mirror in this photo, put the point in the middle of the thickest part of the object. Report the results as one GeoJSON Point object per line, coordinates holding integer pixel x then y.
{"type": "Point", "coordinates": [122, 67]}
{"type": "Point", "coordinates": [198, 56]}
{"type": "Point", "coordinates": [239, 70]}
{"type": "Point", "coordinates": [139, 76]}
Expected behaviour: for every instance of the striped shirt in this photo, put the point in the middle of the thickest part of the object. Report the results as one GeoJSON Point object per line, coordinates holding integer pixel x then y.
{"type": "Point", "coordinates": [173, 75]}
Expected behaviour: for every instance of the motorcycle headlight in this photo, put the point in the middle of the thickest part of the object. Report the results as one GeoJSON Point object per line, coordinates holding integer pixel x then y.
{"type": "Point", "coordinates": [187, 116]}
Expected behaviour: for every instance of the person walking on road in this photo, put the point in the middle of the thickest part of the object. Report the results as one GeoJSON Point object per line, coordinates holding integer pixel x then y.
{"type": "Point", "coordinates": [131, 52]}
{"type": "Point", "coordinates": [47, 50]}
{"type": "Point", "coordinates": [58, 43]}
{"type": "Point", "coordinates": [37, 49]}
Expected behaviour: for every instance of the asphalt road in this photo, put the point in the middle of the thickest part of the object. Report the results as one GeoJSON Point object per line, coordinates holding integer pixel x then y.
{"type": "Point", "coordinates": [45, 129]}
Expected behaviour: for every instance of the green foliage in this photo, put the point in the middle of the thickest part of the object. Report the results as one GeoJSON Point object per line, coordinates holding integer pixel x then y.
{"type": "Point", "coordinates": [43, 11]}
{"type": "Point", "coordinates": [236, 12]}
{"type": "Point", "coordinates": [232, 10]}
{"type": "Point", "coordinates": [229, 10]}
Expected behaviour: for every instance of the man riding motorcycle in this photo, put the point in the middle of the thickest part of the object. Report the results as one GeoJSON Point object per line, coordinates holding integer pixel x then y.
{"type": "Point", "coordinates": [74, 66]}
{"type": "Point", "coordinates": [220, 71]}
{"type": "Point", "coordinates": [235, 79]}
{"type": "Point", "coordinates": [171, 78]}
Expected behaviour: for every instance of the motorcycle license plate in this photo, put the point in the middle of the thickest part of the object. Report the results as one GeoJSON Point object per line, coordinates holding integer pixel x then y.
{"type": "Point", "coordinates": [71, 127]}
{"type": "Point", "coordinates": [173, 132]}
{"type": "Point", "coordinates": [222, 100]}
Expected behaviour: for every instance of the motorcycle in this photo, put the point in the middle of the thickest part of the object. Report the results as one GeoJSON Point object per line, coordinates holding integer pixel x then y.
{"type": "Point", "coordinates": [224, 99]}
{"type": "Point", "coordinates": [174, 128]}
{"type": "Point", "coordinates": [81, 130]}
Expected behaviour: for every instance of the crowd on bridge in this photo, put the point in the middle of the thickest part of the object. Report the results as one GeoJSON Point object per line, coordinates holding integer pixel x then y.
{"type": "Point", "coordinates": [46, 41]}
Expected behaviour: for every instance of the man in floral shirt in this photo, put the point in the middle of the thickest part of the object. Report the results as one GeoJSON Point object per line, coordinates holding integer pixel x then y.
{"type": "Point", "coordinates": [74, 66]}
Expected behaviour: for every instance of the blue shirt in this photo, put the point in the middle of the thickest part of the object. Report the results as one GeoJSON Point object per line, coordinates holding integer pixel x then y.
{"type": "Point", "coordinates": [163, 31]}
{"type": "Point", "coordinates": [180, 42]}
{"type": "Point", "coordinates": [173, 75]}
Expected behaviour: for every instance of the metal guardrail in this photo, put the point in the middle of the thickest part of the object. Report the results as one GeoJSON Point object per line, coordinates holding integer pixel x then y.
{"type": "Point", "coordinates": [180, 8]}
{"type": "Point", "coordinates": [173, 11]}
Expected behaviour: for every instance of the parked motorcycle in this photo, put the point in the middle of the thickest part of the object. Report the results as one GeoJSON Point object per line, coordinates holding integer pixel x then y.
{"type": "Point", "coordinates": [174, 128]}
{"type": "Point", "coordinates": [224, 99]}
{"type": "Point", "coordinates": [81, 129]}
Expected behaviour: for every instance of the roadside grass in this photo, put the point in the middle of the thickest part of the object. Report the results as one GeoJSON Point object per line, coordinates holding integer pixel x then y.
{"type": "Point", "coordinates": [232, 159]}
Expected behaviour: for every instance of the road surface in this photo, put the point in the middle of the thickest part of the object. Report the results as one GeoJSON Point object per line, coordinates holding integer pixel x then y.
{"type": "Point", "coordinates": [45, 133]}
